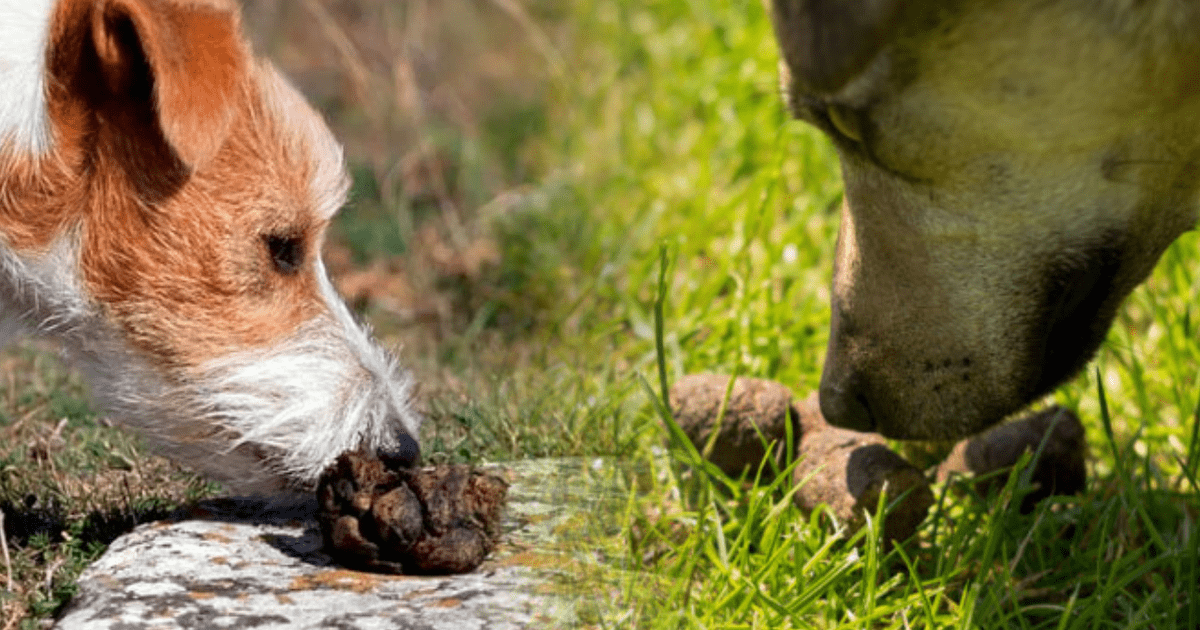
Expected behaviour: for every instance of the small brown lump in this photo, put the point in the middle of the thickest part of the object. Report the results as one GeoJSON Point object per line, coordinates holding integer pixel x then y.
{"type": "Point", "coordinates": [845, 470]}
{"type": "Point", "coordinates": [1060, 470]}
{"type": "Point", "coordinates": [392, 519]}
{"type": "Point", "coordinates": [848, 471]}
{"type": "Point", "coordinates": [756, 414]}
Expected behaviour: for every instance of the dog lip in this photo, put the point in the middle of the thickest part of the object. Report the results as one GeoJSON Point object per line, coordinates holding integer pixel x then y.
{"type": "Point", "coordinates": [843, 406]}
{"type": "Point", "coordinates": [1081, 300]}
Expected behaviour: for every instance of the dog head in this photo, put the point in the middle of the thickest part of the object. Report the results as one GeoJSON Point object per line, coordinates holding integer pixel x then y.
{"type": "Point", "coordinates": [1012, 169]}
{"type": "Point", "coordinates": [163, 211]}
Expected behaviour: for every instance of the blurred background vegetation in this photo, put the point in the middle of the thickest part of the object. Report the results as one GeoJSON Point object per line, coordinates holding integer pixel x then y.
{"type": "Point", "coordinates": [458, 242]}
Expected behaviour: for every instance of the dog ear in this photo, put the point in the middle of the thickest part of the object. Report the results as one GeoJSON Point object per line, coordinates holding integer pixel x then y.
{"type": "Point", "coordinates": [826, 43]}
{"type": "Point", "coordinates": [186, 60]}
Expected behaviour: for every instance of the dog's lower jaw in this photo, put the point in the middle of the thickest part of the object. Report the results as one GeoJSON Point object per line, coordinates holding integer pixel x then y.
{"type": "Point", "coordinates": [306, 402]}
{"type": "Point", "coordinates": [266, 421]}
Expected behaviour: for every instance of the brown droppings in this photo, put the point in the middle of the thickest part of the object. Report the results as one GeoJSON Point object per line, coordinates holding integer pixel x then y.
{"type": "Point", "coordinates": [756, 414]}
{"type": "Point", "coordinates": [843, 469]}
{"type": "Point", "coordinates": [436, 520]}
{"type": "Point", "coordinates": [848, 470]}
{"type": "Point", "coordinates": [398, 517]}
{"type": "Point", "coordinates": [1061, 469]}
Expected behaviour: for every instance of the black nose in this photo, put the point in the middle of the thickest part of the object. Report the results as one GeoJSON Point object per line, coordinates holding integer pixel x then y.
{"type": "Point", "coordinates": [406, 453]}
{"type": "Point", "coordinates": [844, 405]}
{"type": "Point", "coordinates": [843, 394]}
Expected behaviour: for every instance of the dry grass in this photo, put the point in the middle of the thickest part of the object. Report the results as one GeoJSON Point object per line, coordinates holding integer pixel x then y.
{"type": "Point", "coordinates": [434, 102]}
{"type": "Point", "coordinates": [69, 483]}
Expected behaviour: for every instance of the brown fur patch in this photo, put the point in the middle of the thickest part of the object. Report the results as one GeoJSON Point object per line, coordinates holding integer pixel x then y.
{"type": "Point", "coordinates": [174, 160]}
{"type": "Point", "coordinates": [1012, 169]}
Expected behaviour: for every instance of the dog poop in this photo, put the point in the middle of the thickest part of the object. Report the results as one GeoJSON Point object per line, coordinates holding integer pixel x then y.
{"type": "Point", "coordinates": [844, 470]}
{"type": "Point", "coordinates": [1055, 434]}
{"type": "Point", "coordinates": [379, 516]}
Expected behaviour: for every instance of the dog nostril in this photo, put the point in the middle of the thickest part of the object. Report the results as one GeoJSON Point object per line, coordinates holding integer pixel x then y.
{"type": "Point", "coordinates": [843, 406]}
{"type": "Point", "coordinates": [406, 454]}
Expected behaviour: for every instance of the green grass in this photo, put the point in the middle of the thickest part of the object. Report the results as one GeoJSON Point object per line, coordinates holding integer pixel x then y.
{"type": "Point", "coordinates": [676, 138]}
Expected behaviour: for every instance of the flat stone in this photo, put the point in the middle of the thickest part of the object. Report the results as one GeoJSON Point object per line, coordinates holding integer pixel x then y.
{"type": "Point", "coordinates": [238, 563]}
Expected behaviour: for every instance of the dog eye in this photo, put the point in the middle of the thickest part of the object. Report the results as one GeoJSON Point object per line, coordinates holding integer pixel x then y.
{"type": "Point", "coordinates": [846, 121]}
{"type": "Point", "coordinates": [287, 252]}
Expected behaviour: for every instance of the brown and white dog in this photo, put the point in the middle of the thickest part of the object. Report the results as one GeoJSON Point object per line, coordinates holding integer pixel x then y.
{"type": "Point", "coordinates": [1012, 168]}
{"type": "Point", "coordinates": [163, 196]}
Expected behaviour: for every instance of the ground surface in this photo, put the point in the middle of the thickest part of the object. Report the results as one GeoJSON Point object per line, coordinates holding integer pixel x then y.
{"type": "Point", "coordinates": [240, 563]}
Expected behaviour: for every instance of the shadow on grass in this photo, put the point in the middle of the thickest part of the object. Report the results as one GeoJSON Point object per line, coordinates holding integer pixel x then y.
{"type": "Point", "coordinates": [35, 522]}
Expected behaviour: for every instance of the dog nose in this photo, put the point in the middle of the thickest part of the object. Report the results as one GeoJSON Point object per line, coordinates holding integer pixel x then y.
{"type": "Point", "coordinates": [844, 405]}
{"type": "Point", "coordinates": [406, 454]}
{"type": "Point", "coordinates": [842, 393]}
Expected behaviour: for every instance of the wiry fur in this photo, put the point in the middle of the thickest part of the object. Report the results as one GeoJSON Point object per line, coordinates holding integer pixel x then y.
{"type": "Point", "coordinates": [262, 420]}
{"type": "Point", "coordinates": [147, 163]}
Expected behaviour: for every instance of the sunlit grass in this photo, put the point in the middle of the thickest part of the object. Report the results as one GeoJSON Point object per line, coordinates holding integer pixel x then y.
{"type": "Point", "coordinates": [677, 139]}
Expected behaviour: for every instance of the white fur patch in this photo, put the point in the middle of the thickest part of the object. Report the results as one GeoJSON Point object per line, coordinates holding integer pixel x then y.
{"type": "Point", "coordinates": [264, 421]}
{"type": "Point", "coordinates": [327, 389]}
{"type": "Point", "coordinates": [24, 25]}
{"type": "Point", "coordinates": [42, 291]}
